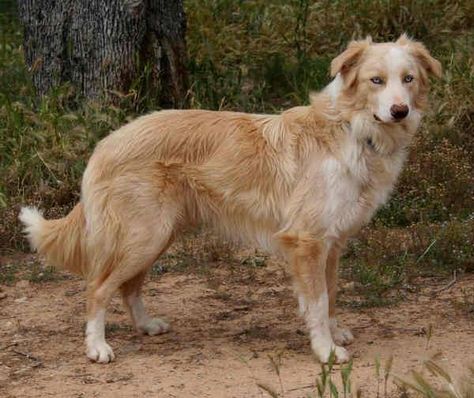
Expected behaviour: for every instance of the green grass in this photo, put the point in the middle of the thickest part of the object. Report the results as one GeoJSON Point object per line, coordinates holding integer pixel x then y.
{"type": "Point", "coordinates": [383, 262]}
{"type": "Point", "coordinates": [8, 274]}
{"type": "Point", "coordinates": [261, 56]}
{"type": "Point", "coordinates": [33, 271]}
{"type": "Point", "coordinates": [38, 273]}
{"type": "Point", "coordinates": [198, 251]}
{"type": "Point", "coordinates": [432, 380]}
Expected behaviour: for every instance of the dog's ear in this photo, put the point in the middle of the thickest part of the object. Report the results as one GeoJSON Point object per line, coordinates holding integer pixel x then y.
{"type": "Point", "coordinates": [418, 50]}
{"type": "Point", "coordinates": [404, 40]}
{"type": "Point", "coordinates": [344, 62]}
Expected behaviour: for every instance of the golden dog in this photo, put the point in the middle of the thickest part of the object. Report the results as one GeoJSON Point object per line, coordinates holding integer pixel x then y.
{"type": "Point", "coordinates": [299, 183]}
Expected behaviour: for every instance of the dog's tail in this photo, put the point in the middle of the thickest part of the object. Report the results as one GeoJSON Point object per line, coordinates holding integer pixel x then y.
{"type": "Point", "coordinates": [62, 241]}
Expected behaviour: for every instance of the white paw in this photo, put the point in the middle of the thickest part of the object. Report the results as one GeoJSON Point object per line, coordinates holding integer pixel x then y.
{"type": "Point", "coordinates": [342, 336]}
{"type": "Point", "coordinates": [99, 351]}
{"type": "Point", "coordinates": [323, 353]}
{"type": "Point", "coordinates": [342, 355]}
{"type": "Point", "coordinates": [154, 326]}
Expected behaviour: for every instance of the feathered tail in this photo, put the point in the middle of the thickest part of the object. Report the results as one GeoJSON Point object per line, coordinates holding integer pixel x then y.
{"type": "Point", "coordinates": [62, 241]}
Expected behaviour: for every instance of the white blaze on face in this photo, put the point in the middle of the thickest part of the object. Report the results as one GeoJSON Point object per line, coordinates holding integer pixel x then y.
{"type": "Point", "coordinates": [397, 63]}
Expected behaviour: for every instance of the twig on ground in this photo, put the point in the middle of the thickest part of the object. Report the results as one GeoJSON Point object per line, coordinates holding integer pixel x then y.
{"type": "Point", "coordinates": [29, 356]}
{"type": "Point", "coordinates": [449, 285]}
{"type": "Point", "coordinates": [301, 388]}
{"type": "Point", "coordinates": [8, 346]}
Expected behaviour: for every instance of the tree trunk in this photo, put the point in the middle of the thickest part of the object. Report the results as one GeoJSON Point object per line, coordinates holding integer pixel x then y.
{"type": "Point", "coordinates": [106, 48]}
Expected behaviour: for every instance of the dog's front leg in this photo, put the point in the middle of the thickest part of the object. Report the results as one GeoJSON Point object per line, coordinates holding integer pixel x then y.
{"type": "Point", "coordinates": [340, 335]}
{"type": "Point", "coordinates": [308, 255]}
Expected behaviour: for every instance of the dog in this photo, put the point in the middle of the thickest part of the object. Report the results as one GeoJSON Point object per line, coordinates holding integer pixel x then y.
{"type": "Point", "coordinates": [299, 183]}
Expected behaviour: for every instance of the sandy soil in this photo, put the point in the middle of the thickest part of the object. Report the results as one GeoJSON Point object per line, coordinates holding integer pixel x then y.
{"type": "Point", "coordinates": [225, 326]}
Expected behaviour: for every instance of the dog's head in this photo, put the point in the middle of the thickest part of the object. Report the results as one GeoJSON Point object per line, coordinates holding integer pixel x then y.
{"type": "Point", "coordinates": [389, 80]}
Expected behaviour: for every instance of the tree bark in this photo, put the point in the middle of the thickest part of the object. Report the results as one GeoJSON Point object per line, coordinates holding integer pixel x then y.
{"type": "Point", "coordinates": [105, 48]}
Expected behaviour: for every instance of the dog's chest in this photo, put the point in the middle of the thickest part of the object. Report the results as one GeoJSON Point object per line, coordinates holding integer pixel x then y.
{"type": "Point", "coordinates": [354, 188]}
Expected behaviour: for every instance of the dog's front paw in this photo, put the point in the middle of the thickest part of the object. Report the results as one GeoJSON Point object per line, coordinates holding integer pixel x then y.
{"type": "Point", "coordinates": [341, 355]}
{"type": "Point", "coordinates": [100, 351]}
{"type": "Point", "coordinates": [154, 326]}
{"type": "Point", "coordinates": [341, 336]}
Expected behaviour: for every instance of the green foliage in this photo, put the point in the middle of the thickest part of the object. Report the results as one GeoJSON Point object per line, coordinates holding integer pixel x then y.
{"type": "Point", "coordinates": [37, 273]}
{"type": "Point", "coordinates": [32, 271]}
{"type": "Point", "coordinates": [383, 261]}
{"type": "Point", "coordinates": [197, 250]}
{"type": "Point", "coordinates": [8, 274]}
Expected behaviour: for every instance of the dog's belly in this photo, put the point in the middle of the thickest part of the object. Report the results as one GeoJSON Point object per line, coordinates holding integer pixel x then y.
{"type": "Point", "coordinates": [242, 226]}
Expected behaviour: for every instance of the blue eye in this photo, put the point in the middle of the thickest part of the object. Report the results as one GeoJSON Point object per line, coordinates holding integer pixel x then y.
{"type": "Point", "coordinates": [376, 80]}
{"type": "Point", "coordinates": [408, 79]}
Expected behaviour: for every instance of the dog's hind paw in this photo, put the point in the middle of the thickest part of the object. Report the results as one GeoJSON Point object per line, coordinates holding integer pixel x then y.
{"type": "Point", "coordinates": [341, 336]}
{"type": "Point", "coordinates": [100, 351]}
{"type": "Point", "coordinates": [154, 326]}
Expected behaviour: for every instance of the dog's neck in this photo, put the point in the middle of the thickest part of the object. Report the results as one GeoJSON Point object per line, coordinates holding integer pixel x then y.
{"type": "Point", "coordinates": [380, 138]}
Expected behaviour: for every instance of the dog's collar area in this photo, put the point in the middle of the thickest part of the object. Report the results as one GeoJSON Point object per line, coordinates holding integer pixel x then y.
{"type": "Point", "coordinates": [370, 144]}
{"type": "Point", "coordinates": [368, 141]}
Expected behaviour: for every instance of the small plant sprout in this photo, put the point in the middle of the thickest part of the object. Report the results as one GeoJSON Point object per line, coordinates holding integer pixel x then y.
{"type": "Point", "coordinates": [276, 361]}
{"type": "Point", "coordinates": [386, 374]}
{"type": "Point", "coordinates": [346, 379]}
{"type": "Point", "coordinates": [429, 334]}
{"type": "Point", "coordinates": [377, 374]}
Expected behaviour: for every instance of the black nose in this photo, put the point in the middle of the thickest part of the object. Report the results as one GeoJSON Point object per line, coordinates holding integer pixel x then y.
{"type": "Point", "coordinates": [399, 111]}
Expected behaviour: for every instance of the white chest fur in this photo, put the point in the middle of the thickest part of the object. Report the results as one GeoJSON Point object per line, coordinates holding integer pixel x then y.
{"type": "Point", "coordinates": [353, 189]}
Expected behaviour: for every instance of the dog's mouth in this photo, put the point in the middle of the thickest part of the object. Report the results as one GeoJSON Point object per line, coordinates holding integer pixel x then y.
{"type": "Point", "coordinates": [391, 121]}
{"type": "Point", "coordinates": [377, 118]}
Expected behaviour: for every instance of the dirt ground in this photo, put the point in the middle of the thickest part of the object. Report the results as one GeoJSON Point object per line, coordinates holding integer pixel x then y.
{"type": "Point", "coordinates": [226, 323]}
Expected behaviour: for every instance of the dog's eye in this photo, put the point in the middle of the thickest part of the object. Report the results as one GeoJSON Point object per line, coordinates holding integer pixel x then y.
{"type": "Point", "coordinates": [376, 80]}
{"type": "Point", "coordinates": [408, 79]}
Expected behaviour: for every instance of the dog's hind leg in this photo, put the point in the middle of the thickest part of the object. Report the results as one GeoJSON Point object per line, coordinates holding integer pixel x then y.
{"type": "Point", "coordinates": [139, 249]}
{"type": "Point", "coordinates": [133, 301]}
